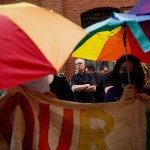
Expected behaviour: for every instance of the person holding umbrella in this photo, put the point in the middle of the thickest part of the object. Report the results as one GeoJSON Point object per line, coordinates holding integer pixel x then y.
{"type": "Point", "coordinates": [130, 87]}
{"type": "Point", "coordinates": [128, 80]}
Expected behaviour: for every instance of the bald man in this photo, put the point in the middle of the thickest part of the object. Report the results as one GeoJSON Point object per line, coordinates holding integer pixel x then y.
{"type": "Point", "coordinates": [83, 84]}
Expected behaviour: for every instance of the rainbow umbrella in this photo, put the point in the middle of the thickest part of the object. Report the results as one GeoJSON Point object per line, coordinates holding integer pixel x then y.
{"type": "Point", "coordinates": [116, 36]}
{"type": "Point", "coordinates": [34, 42]}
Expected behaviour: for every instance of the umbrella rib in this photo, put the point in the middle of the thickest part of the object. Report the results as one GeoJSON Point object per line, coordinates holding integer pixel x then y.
{"type": "Point", "coordinates": [111, 37]}
{"type": "Point", "coordinates": [116, 36]}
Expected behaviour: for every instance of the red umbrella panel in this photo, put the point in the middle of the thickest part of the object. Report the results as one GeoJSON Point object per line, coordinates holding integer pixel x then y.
{"type": "Point", "coordinates": [34, 42]}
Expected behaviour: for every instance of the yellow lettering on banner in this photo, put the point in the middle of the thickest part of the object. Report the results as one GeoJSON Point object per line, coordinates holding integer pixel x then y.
{"type": "Point", "coordinates": [88, 136]}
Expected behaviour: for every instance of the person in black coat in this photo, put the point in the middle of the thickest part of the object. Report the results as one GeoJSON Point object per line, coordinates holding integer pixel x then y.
{"type": "Point", "coordinates": [60, 86]}
{"type": "Point", "coordinates": [99, 93]}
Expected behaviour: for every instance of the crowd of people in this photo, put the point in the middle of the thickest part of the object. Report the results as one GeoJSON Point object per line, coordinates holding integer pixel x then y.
{"type": "Point", "coordinates": [126, 81]}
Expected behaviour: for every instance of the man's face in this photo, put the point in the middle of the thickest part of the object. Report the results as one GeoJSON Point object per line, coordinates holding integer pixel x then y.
{"type": "Point", "coordinates": [80, 65]}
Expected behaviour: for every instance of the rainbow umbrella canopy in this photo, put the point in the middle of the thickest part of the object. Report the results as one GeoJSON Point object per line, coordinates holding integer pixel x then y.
{"type": "Point", "coordinates": [116, 36]}
{"type": "Point", "coordinates": [34, 42]}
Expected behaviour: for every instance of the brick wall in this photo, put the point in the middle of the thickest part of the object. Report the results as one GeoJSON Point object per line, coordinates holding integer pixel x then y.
{"type": "Point", "coordinates": [72, 9]}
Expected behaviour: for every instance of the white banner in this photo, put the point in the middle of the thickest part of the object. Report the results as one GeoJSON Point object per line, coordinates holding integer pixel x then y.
{"type": "Point", "coordinates": [29, 120]}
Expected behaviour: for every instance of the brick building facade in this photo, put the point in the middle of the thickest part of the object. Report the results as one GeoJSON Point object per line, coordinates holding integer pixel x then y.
{"type": "Point", "coordinates": [73, 9]}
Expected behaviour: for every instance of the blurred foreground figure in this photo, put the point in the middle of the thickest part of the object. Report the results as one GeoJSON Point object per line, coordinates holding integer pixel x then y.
{"type": "Point", "coordinates": [40, 85]}
{"type": "Point", "coordinates": [60, 86]}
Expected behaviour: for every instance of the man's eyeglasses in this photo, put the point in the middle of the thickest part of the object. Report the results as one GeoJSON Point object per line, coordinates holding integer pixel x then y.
{"type": "Point", "coordinates": [78, 64]}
